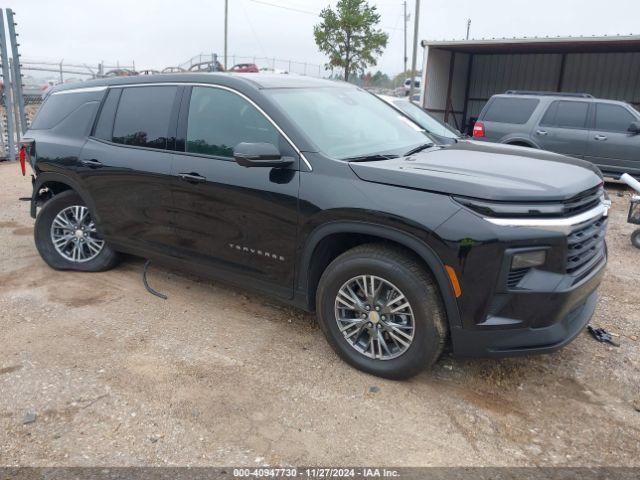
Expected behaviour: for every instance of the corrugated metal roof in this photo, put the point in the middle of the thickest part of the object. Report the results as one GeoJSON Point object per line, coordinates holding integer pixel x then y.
{"type": "Point", "coordinates": [607, 43]}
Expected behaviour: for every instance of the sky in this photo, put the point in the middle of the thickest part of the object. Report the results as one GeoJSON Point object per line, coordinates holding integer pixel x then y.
{"type": "Point", "coordinates": [160, 33]}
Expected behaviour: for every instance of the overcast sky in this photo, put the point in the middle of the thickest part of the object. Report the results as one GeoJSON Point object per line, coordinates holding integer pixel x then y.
{"type": "Point", "coordinates": [159, 33]}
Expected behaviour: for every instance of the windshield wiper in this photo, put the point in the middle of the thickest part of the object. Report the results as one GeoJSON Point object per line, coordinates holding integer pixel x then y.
{"type": "Point", "coordinates": [419, 148]}
{"type": "Point", "coordinates": [370, 158]}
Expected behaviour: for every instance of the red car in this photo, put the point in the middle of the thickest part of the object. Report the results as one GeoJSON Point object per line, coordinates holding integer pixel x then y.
{"type": "Point", "coordinates": [245, 68]}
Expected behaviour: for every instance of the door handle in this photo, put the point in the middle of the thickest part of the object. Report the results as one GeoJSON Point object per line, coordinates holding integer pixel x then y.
{"type": "Point", "coordinates": [600, 138]}
{"type": "Point", "coordinates": [542, 132]}
{"type": "Point", "coordinates": [192, 177]}
{"type": "Point", "coordinates": [92, 163]}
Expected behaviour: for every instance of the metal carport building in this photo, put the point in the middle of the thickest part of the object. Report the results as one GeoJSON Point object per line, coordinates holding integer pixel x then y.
{"type": "Point", "coordinates": [460, 76]}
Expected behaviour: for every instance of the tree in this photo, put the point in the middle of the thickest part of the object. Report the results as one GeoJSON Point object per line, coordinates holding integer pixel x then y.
{"type": "Point", "coordinates": [380, 79]}
{"type": "Point", "coordinates": [349, 35]}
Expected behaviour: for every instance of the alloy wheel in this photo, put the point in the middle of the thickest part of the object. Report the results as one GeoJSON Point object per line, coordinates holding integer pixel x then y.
{"type": "Point", "coordinates": [74, 235]}
{"type": "Point", "coordinates": [375, 317]}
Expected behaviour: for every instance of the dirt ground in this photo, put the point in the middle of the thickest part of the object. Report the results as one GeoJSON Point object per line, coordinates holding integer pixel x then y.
{"type": "Point", "coordinates": [218, 376]}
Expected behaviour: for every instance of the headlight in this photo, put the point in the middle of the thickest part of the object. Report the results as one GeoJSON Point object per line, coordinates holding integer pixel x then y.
{"type": "Point", "coordinates": [511, 210]}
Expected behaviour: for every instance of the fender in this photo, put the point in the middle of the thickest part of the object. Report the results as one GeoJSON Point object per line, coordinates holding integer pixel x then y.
{"type": "Point", "coordinates": [405, 239]}
{"type": "Point", "coordinates": [45, 177]}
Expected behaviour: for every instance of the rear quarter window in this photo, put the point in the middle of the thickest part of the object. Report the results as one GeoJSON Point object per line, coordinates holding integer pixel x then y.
{"type": "Point", "coordinates": [510, 110]}
{"type": "Point", "coordinates": [59, 107]}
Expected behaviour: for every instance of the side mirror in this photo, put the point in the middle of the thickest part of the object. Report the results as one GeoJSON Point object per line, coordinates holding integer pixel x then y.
{"type": "Point", "coordinates": [259, 155]}
{"type": "Point", "coordinates": [634, 128]}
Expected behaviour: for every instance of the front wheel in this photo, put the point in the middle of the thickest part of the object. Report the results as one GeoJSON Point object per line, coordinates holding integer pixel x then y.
{"type": "Point", "coordinates": [635, 238]}
{"type": "Point", "coordinates": [67, 238]}
{"type": "Point", "coordinates": [381, 311]}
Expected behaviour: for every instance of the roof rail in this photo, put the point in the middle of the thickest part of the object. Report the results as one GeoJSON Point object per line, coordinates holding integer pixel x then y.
{"type": "Point", "coordinates": [548, 94]}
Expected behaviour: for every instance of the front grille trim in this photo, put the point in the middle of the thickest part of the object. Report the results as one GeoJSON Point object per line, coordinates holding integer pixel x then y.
{"type": "Point", "coordinates": [585, 246]}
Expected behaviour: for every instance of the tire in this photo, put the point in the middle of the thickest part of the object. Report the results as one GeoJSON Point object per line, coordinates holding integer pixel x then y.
{"type": "Point", "coordinates": [635, 238]}
{"type": "Point", "coordinates": [402, 272]}
{"type": "Point", "coordinates": [105, 258]}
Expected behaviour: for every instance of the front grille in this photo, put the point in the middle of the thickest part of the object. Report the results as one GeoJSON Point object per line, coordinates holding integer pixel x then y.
{"type": "Point", "coordinates": [585, 246]}
{"type": "Point", "coordinates": [583, 202]}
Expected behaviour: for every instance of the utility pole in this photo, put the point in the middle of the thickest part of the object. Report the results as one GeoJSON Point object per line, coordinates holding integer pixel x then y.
{"type": "Point", "coordinates": [416, 42]}
{"type": "Point", "coordinates": [226, 30]}
{"type": "Point", "coordinates": [468, 28]}
{"type": "Point", "coordinates": [406, 20]}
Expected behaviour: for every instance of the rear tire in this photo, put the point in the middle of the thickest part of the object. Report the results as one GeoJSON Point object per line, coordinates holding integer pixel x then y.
{"type": "Point", "coordinates": [635, 238]}
{"type": "Point", "coordinates": [79, 246]}
{"type": "Point", "coordinates": [393, 273]}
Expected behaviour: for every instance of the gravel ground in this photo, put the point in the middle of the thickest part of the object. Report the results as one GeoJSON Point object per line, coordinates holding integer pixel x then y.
{"type": "Point", "coordinates": [95, 371]}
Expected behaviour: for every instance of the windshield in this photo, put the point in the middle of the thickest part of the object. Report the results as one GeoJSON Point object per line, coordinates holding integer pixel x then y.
{"type": "Point", "coordinates": [346, 123]}
{"type": "Point", "coordinates": [425, 120]}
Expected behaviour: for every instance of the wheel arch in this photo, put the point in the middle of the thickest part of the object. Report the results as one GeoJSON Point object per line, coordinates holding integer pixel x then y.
{"type": "Point", "coordinates": [521, 142]}
{"type": "Point", "coordinates": [57, 183]}
{"type": "Point", "coordinates": [315, 257]}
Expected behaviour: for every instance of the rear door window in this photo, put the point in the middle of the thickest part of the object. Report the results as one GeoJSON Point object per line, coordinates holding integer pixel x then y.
{"type": "Point", "coordinates": [104, 125]}
{"type": "Point", "coordinates": [511, 110]}
{"type": "Point", "coordinates": [143, 116]}
{"type": "Point", "coordinates": [613, 118]}
{"type": "Point", "coordinates": [566, 114]}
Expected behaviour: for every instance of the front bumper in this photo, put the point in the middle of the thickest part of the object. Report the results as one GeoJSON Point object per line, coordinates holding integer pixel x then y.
{"type": "Point", "coordinates": [569, 311]}
{"type": "Point", "coordinates": [505, 315]}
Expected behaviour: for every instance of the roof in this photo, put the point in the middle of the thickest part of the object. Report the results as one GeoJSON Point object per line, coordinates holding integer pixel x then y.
{"type": "Point", "coordinates": [617, 43]}
{"type": "Point", "coordinates": [256, 80]}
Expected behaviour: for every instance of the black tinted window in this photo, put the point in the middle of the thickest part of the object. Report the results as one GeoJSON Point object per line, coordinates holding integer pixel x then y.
{"type": "Point", "coordinates": [219, 120]}
{"type": "Point", "coordinates": [59, 106]}
{"type": "Point", "coordinates": [613, 118]}
{"type": "Point", "coordinates": [143, 116]}
{"type": "Point", "coordinates": [104, 126]}
{"type": "Point", "coordinates": [510, 110]}
{"type": "Point", "coordinates": [566, 114]}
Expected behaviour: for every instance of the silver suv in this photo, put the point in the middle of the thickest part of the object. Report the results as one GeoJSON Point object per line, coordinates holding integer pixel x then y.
{"type": "Point", "coordinates": [605, 132]}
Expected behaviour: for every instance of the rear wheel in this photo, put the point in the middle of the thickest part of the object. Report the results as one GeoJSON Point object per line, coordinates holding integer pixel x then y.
{"type": "Point", "coordinates": [635, 238]}
{"type": "Point", "coordinates": [380, 311]}
{"type": "Point", "coordinates": [67, 238]}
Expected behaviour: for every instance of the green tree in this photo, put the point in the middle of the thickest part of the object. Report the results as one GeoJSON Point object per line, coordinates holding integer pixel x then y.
{"type": "Point", "coordinates": [380, 79]}
{"type": "Point", "coordinates": [349, 37]}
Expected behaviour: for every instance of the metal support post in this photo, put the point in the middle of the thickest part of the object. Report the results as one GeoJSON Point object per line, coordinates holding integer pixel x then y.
{"type": "Point", "coordinates": [8, 104]}
{"type": "Point", "coordinates": [17, 71]}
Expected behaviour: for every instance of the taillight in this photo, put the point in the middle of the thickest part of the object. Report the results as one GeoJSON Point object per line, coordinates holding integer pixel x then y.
{"type": "Point", "coordinates": [478, 130]}
{"type": "Point", "coordinates": [23, 160]}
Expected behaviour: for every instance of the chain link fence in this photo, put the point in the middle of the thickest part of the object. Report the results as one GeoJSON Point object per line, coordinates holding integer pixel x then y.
{"type": "Point", "coordinates": [42, 75]}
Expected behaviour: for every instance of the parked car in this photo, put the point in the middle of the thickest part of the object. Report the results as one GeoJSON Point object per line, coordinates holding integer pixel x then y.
{"type": "Point", "coordinates": [208, 66]}
{"type": "Point", "coordinates": [323, 196]}
{"type": "Point", "coordinates": [120, 72]}
{"type": "Point", "coordinates": [173, 70]}
{"type": "Point", "coordinates": [442, 132]}
{"type": "Point", "coordinates": [245, 68]}
{"type": "Point", "coordinates": [407, 85]}
{"type": "Point", "coordinates": [604, 132]}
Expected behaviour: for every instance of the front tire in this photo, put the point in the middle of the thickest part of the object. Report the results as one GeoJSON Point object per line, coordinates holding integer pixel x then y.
{"type": "Point", "coordinates": [635, 238]}
{"type": "Point", "coordinates": [67, 239]}
{"type": "Point", "coordinates": [381, 311]}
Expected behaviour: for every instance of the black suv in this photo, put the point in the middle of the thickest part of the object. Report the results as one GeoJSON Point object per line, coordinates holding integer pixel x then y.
{"type": "Point", "coordinates": [326, 197]}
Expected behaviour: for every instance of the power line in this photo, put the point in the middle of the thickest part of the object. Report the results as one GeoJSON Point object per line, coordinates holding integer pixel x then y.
{"type": "Point", "coordinates": [284, 7]}
{"type": "Point", "coordinates": [307, 12]}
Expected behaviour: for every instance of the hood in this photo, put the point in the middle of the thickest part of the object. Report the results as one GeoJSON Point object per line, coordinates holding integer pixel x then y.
{"type": "Point", "coordinates": [486, 171]}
